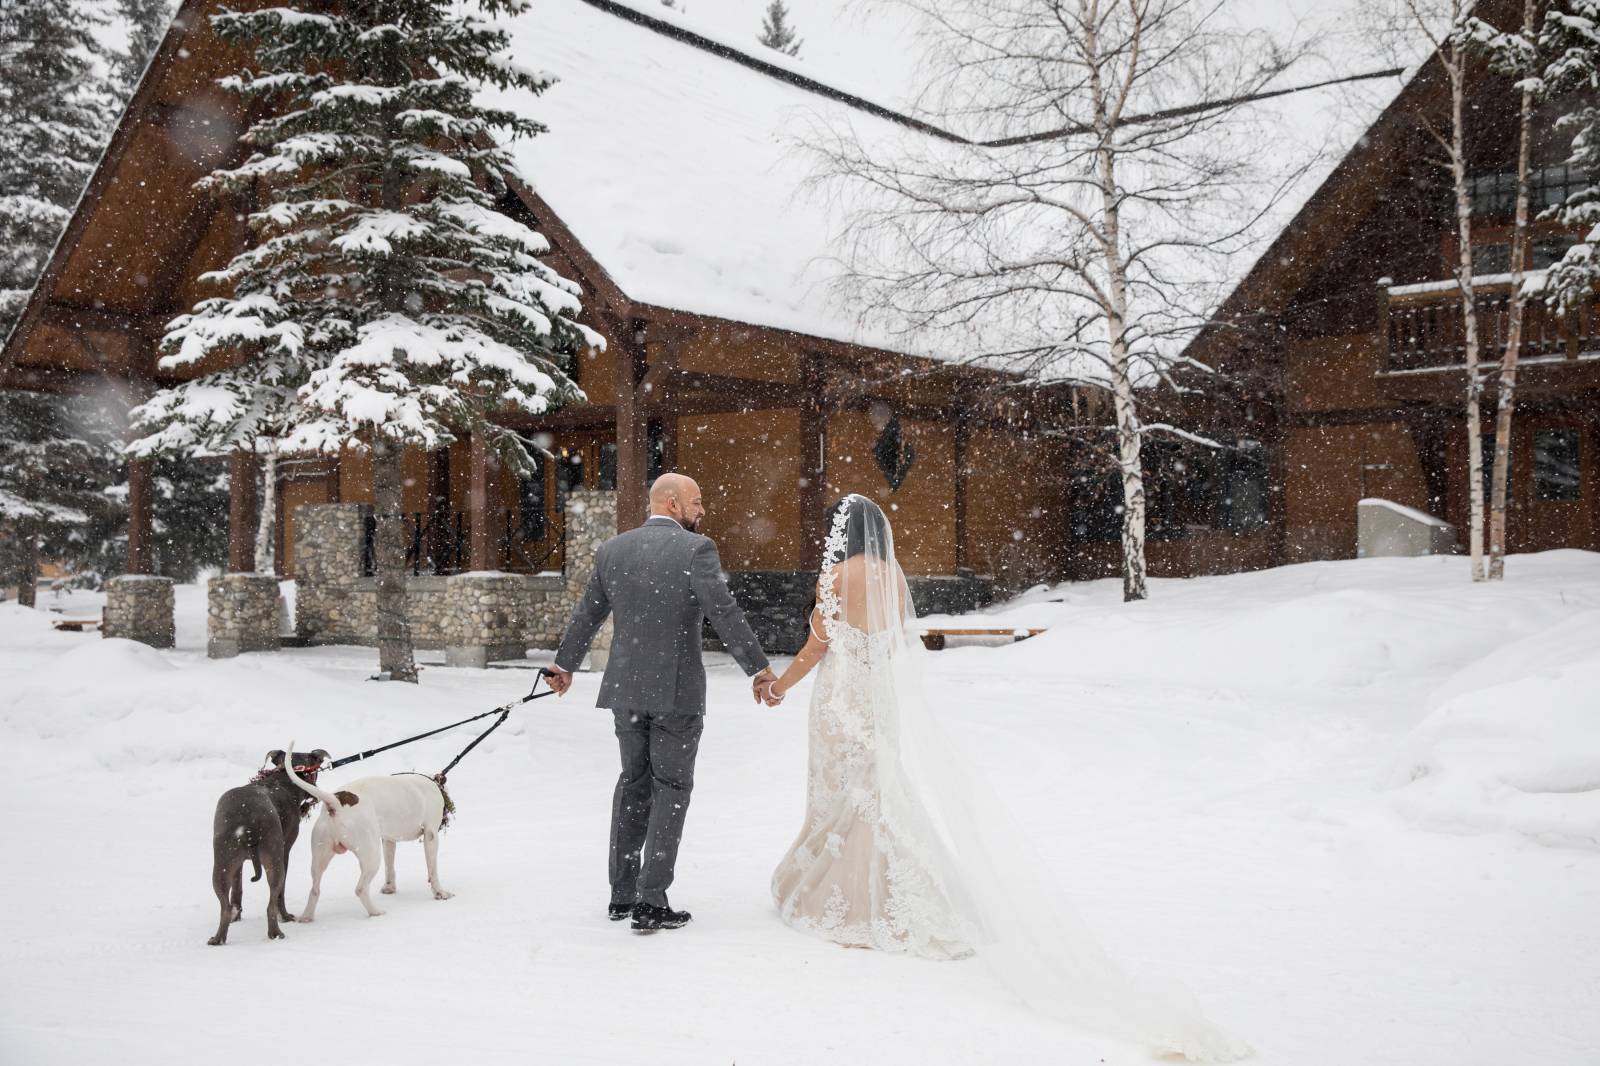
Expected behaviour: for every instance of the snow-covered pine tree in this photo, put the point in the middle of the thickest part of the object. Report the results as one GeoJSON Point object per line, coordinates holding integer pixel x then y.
{"type": "Point", "coordinates": [777, 31]}
{"type": "Point", "coordinates": [53, 115]}
{"type": "Point", "coordinates": [52, 480]}
{"type": "Point", "coordinates": [1570, 38]}
{"type": "Point", "coordinates": [147, 23]}
{"type": "Point", "coordinates": [385, 303]}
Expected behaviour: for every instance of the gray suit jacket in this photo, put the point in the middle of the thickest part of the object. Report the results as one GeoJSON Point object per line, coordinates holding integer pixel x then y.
{"type": "Point", "coordinates": [660, 582]}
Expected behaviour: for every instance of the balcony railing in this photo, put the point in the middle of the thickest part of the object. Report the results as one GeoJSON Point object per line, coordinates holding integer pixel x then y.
{"type": "Point", "coordinates": [1425, 328]}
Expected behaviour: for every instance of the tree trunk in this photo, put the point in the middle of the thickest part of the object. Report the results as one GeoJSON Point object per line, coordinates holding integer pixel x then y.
{"type": "Point", "coordinates": [1506, 395]}
{"type": "Point", "coordinates": [267, 520]}
{"type": "Point", "coordinates": [27, 568]}
{"type": "Point", "coordinates": [1456, 67]}
{"type": "Point", "coordinates": [394, 630]}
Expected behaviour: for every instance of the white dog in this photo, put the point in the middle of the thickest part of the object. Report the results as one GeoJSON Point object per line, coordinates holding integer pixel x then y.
{"type": "Point", "coordinates": [365, 814]}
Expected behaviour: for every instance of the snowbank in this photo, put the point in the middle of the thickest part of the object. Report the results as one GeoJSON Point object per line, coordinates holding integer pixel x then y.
{"type": "Point", "coordinates": [1199, 771]}
{"type": "Point", "coordinates": [1513, 743]}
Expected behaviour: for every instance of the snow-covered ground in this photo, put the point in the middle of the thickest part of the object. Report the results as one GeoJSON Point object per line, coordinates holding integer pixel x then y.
{"type": "Point", "coordinates": [1355, 806]}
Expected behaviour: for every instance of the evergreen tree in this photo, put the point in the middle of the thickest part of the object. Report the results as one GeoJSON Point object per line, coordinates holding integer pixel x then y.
{"type": "Point", "coordinates": [1570, 38]}
{"type": "Point", "coordinates": [385, 303]}
{"type": "Point", "coordinates": [777, 32]}
{"type": "Point", "coordinates": [147, 25]}
{"type": "Point", "coordinates": [53, 473]}
{"type": "Point", "coordinates": [53, 114]}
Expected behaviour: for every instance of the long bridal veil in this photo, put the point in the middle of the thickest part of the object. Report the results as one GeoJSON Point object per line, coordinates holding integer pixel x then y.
{"type": "Point", "coordinates": [1009, 907]}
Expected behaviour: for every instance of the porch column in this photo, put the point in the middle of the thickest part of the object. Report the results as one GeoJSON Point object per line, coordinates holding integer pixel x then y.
{"type": "Point", "coordinates": [141, 500]}
{"type": "Point", "coordinates": [439, 515]}
{"type": "Point", "coordinates": [813, 464]}
{"type": "Point", "coordinates": [482, 533]}
{"type": "Point", "coordinates": [633, 431]}
{"type": "Point", "coordinates": [244, 508]}
{"type": "Point", "coordinates": [961, 446]}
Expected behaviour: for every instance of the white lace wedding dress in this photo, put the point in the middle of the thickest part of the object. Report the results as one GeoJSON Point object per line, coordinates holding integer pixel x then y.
{"type": "Point", "coordinates": [858, 875]}
{"type": "Point", "coordinates": [904, 850]}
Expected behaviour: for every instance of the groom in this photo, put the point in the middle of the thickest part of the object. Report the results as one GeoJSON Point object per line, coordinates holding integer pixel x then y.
{"type": "Point", "coordinates": [660, 582]}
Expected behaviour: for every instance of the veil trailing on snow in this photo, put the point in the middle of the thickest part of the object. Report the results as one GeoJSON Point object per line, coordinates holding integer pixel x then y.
{"type": "Point", "coordinates": [977, 881]}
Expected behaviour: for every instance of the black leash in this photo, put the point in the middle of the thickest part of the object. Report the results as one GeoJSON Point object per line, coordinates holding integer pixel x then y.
{"type": "Point", "coordinates": [504, 712]}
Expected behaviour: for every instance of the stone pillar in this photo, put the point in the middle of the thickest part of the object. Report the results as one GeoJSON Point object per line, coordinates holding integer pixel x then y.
{"type": "Point", "coordinates": [591, 520]}
{"type": "Point", "coordinates": [484, 619]}
{"type": "Point", "coordinates": [241, 614]}
{"type": "Point", "coordinates": [140, 607]}
{"type": "Point", "coordinates": [328, 543]}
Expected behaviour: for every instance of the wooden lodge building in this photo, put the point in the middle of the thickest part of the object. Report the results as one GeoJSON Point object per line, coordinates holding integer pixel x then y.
{"type": "Point", "coordinates": [677, 212]}
{"type": "Point", "coordinates": [1351, 324]}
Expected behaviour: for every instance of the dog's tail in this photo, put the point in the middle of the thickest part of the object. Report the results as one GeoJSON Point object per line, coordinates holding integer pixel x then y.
{"type": "Point", "coordinates": [255, 859]}
{"type": "Point", "coordinates": [329, 800]}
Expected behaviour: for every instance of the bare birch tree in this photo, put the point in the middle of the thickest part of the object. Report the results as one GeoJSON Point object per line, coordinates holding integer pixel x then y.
{"type": "Point", "coordinates": [1084, 231]}
{"type": "Point", "coordinates": [1437, 31]}
{"type": "Point", "coordinates": [1513, 54]}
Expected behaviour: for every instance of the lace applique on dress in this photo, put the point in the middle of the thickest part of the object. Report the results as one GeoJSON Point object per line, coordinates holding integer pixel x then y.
{"type": "Point", "coordinates": [856, 875]}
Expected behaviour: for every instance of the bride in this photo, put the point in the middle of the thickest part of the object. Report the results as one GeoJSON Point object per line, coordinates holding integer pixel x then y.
{"type": "Point", "coordinates": [901, 850]}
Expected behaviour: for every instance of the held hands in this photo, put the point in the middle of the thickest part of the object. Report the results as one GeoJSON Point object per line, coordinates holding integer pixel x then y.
{"type": "Point", "coordinates": [764, 687]}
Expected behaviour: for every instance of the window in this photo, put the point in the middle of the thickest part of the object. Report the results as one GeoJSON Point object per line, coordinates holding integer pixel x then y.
{"type": "Point", "coordinates": [1488, 471]}
{"type": "Point", "coordinates": [1096, 500]}
{"type": "Point", "coordinates": [1495, 195]}
{"type": "Point", "coordinates": [1235, 496]}
{"type": "Point", "coordinates": [530, 493]}
{"type": "Point", "coordinates": [1188, 488]}
{"type": "Point", "coordinates": [1556, 465]}
{"type": "Point", "coordinates": [658, 450]}
{"type": "Point", "coordinates": [569, 471]}
{"type": "Point", "coordinates": [608, 467]}
{"type": "Point", "coordinates": [1490, 259]}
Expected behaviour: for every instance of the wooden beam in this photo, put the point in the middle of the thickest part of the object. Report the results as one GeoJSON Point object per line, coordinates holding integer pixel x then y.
{"type": "Point", "coordinates": [791, 394]}
{"type": "Point", "coordinates": [961, 446]}
{"type": "Point", "coordinates": [244, 512]}
{"type": "Point", "coordinates": [482, 536]}
{"type": "Point", "coordinates": [812, 474]}
{"type": "Point", "coordinates": [141, 525]}
{"type": "Point", "coordinates": [633, 430]}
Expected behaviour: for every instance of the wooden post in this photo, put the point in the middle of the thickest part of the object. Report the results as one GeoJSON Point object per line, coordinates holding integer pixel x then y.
{"type": "Point", "coordinates": [813, 467]}
{"type": "Point", "coordinates": [141, 500]}
{"type": "Point", "coordinates": [962, 446]}
{"type": "Point", "coordinates": [483, 534]}
{"type": "Point", "coordinates": [633, 430]}
{"type": "Point", "coordinates": [244, 509]}
{"type": "Point", "coordinates": [439, 513]}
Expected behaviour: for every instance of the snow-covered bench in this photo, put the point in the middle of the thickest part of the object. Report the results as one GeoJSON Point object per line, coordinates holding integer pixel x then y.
{"type": "Point", "coordinates": [933, 639]}
{"type": "Point", "coordinates": [75, 625]}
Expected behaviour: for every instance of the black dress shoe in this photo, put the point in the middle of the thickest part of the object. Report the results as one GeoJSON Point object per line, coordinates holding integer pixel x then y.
{"type": "Point", "coordinates": [647, 918]}
{"type": "Point", "coordinates": [618, 911]}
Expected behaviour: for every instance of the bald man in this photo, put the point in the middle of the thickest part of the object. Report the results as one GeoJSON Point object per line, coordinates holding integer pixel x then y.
{"type": "Point", "coordinates": [660, 582]}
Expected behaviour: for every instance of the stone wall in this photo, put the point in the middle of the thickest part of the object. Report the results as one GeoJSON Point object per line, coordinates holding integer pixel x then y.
{"type": "Point", "coordinates": [140, 607]}
{"type": "Point", "coordinates": [490, 616]}
{"type": "Point", "coordinates": [241, 614]}
{"type": "Point", "coordinates": [482, 616]}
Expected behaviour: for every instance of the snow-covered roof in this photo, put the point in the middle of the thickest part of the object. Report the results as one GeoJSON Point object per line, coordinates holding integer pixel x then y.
{"type": "Point", "coordinates": [677, 171]}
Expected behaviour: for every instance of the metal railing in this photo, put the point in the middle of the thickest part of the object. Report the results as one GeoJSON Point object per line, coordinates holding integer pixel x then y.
{"type": "Point", "coordinates": [441, 543]}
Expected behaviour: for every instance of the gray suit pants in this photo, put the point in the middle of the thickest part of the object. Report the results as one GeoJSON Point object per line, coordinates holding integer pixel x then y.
{"type": "Point", "coordinates": [651, 801]}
